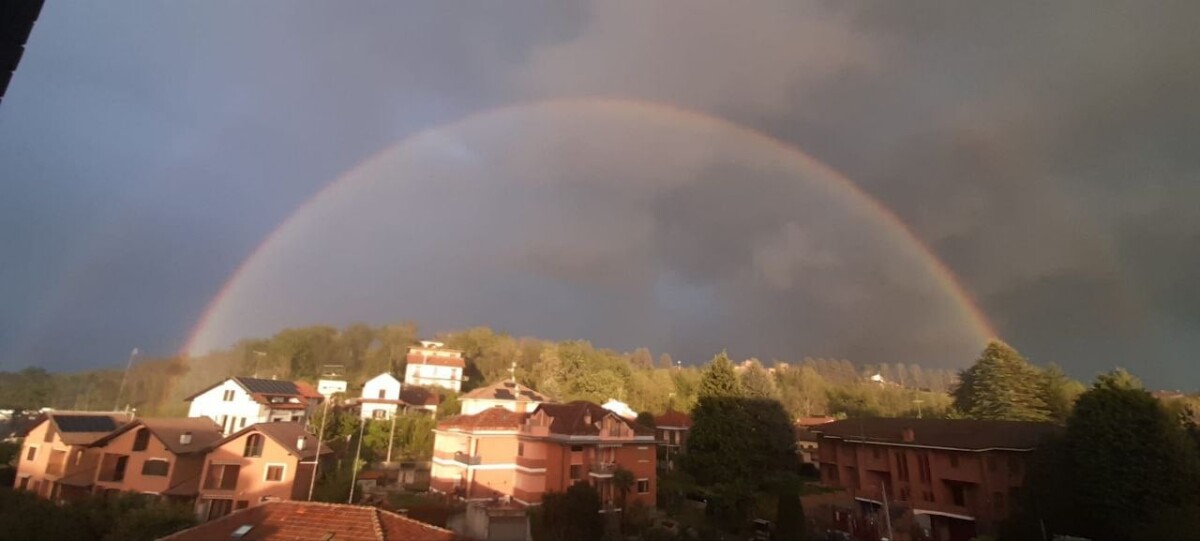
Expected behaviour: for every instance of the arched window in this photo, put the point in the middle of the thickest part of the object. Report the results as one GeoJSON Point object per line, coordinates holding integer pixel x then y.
{"type": "Point", "coordinates": [254, 446]}
{"type": "Point", "coordinates": [141, 440]}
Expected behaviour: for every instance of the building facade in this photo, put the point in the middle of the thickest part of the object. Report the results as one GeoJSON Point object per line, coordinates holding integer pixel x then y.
{"type": "Point", "coordinates": [56, 460]}
{"type": "Point", "coordinates": [433, 365]}
{"type": "Point", "coordinates": [239, 402]}
{"type": "Point", "coordinates": [507, 394]}
{"type": "Point", "coordinates": [262, 463]}
{"type": "Point", "coordinates": [944, 480]}
{"type": "Point", "coordinates": [474, 456]}
{"type": "Point", "coordinates": [671, 431]}
{"type": "Point", "coordinates": [162, 457]}
{"type": "Point", "coordinates": [380, 397]}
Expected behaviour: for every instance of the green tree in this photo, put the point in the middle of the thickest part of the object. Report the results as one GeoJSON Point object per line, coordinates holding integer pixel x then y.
{"type": "Point", "coordinates": [756, 382]}
{"type": "Point", "coordinates": [1123, 470]}
{"type": "Point", "coordinates": [789, 512]}
{"type": "Point", "coordinates": [646, 419]}
{"type": "Point", "coordinates": [155, 520]}
{"type": "Point", "coordinates": [1001, 385]}
{"type": "Point", "coordinates": [719, 379]}
{"type": "Point", "coordinates": [641, 359]}
{"type": "Point", "coordinates": [1059, 392]}
{"type": "Point", "coordinates": [664, 361]}
{"type": "Point", "coordinates": [738, 438]}
{"type": "Point", "coordinates": [574, 514]}
{"type": "Point", "coordinates": [623, 480]}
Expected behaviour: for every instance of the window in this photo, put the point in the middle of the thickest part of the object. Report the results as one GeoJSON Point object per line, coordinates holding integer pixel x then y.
{"type": "Point", "coordinates": [576, 448]}
{"type": "Point", "coordinates": [875, 452]}
{"type": "Point", "coordinates": [219, 508]}
{"type": "Point", "coordinates": [576, 471]}
{"type": "Point", "coordinates": [383, 393]}
{"type": "Point", "coordinates": [520, 448]}
{"type": "Point", "coordinates": [241, 504]}
{"type": "Point", "coordinates": [222, 477]}
{"type": "Point", "coordinates": [958, 494]}
{"type": "Point", "coordinates": [927, 495]}
{"type": "Point", "coordinates": [998, 501]}
{"type": "Point", "coordinates": [156, 467]}
{"type": "Point", "coordinates": [923, 467]}
{"type": "Point", "coordinates": [378, 414]}
{"type": "Point", "coordinates": [831, 472]}
{"type": "Point", "coordinates": [119, 468]}
{"type": "Point", "coordinates": [228, 396]}
{"type": "Point", "coordinates": [902, 465]}
{"type": "Point", "coordinates": [905, 494]}
{"type": "Point", "coordinates": [23, 484]}
{"type": "Point", "coordinates": [254, 446]}
{"type": "Point", "coordinates": [225, 426]}
{"type": "Point", "coordinates": [953, 460]}
{"type": "Point", "coordinates": [242, 424]}
{"type": "Point", "coordinates": [31, 453]}
{"type": "Point", "coordinates": [643, 486]}
{"type": "Point", "coordinates": [141, 440]}
{"type": "Point", "coordinates": [274, 472]}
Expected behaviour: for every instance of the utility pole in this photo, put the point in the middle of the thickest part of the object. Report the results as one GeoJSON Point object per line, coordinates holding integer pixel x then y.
{"type": "Point", "coordinates": [887, 515]}
{"type": "Point", "coordinates": [312, 483]}
{"type": "Point", "coordinates": [354, 466]}
{"type": "Point", "coordinates": [391, 437]}
{"type": "Point", "coordinates": [124, 377]}
{"type": "Point", "coordinates": [918, 402]}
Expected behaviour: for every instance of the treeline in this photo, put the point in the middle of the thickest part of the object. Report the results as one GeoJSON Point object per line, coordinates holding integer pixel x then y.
{"type": "Point", "coordinates": [566, 370]}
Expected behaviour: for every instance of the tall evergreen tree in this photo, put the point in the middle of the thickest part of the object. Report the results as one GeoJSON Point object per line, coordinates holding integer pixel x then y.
{"type": "Point", "coordinates": [719, 379]}
{"type": "Point", "coordinates": [1124, 470]}
{"type": "Point", "coordinates": [1001, 386]}
{"type": "Point", "coordinates": [1059, 392]}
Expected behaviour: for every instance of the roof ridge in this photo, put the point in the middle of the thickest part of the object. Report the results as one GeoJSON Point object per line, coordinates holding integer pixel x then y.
{"type": "Point", "coordinates": [375, 523]}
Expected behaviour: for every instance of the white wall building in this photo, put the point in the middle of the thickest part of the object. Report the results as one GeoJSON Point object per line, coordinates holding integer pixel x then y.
{"type": "Point", "coordinates": [380, 397]}
{"type": "Point", "coordinates": [240, 402]}
{"type": "Point", "coordinates": [432, 364]}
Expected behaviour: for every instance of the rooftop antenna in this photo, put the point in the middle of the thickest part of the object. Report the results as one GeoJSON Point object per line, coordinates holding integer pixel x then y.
{"type": "Point", "coordinates": [125, 376]}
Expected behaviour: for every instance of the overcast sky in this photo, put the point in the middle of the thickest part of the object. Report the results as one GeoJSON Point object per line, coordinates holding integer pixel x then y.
{"type": "Point", "coordinates": [1046, 152]}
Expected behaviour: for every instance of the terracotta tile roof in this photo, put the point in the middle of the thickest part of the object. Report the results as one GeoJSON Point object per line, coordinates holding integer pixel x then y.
{"type": "Point", "coordinates": [419, 396]}
{"type": "Point", "coordinates": [673, 419]}
{"type": "Point", "coordinates": [489, 419]}
{"type": "Point", "coordinates": [507, 390]}
{"type": "Point", "coordinates": [965, 434]}
{"type": "Point", "coordinates": [292, 520]}
{"type": "Point", "coordinates": [579, 418]}
{"type": "Point", "coordinates": [436, 360]}
{"type": "Point", "coordinates": [285, 434]}
{"type": "Point", "coordinates": [204, 432]}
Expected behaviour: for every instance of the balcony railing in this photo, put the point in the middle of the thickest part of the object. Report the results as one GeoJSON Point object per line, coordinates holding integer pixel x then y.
{"type": "Point", "coordinates": [602, 469]}
{"type": "Point", "coordinates": [526, 462]}
{"type": "Point", "coordinates": [464, 458]}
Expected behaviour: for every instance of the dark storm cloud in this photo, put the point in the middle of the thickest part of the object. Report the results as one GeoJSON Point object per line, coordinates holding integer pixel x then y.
{"type": "Point", "coordinates": [1046, 151]}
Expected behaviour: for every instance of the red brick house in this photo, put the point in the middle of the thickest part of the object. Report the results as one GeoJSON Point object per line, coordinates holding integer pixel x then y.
{"type": "Point", "coordinates": [943, 479]}
{"type": "Point", "coordinates": [312, 520]}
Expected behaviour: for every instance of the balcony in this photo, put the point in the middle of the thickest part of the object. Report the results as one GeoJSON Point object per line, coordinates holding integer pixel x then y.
{"type": "Point", "coordinates": [532, 463]}
{"type": "Point", "coordinates": [602, 469]}
{"type": "Point", "coordinates": [464, 458]}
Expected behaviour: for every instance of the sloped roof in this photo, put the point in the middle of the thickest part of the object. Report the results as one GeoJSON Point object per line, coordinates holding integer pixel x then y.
{"type": "Point", "coordinates": [168, 429]}
{"type": "Point", "coordinates": [507, 390]}
{"type": "Point", "coordinates": [84, 427]}
{"type": "Point", "coordinates": [260, 389]}
{"type": "Point", "coordinates": [673, 419]}
{"type": "Point", "coordinates": [436, 360]}
{"type": "Point", "coordinates": [964, 434]}
{"type": "Point", "coordinates": [285, 434]}
{"type": "Point", "coordinates": [489, 419]}
{"type": "Point", "coordinates": [569, 419]}
{"type": "Point", "coordinates": [293, 520]}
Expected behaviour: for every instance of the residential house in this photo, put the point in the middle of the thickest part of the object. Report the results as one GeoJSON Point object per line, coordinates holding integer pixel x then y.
{"type": "Point", "coordinates": [380, 397]}
{"type": "Point", "coordinates": [506, 394]}
{"type": "Point", "coordinates": [56, 461]}
{"type": "Point", "coordinates": [313, 520]}
{"type": "Point", "coordinates": [432, 364]}
{"type": "Point", "coordinates": [581, 442]}
{"type": "Point", "coordinates": [806, 439]}
{"type": "Point", "coordinates": [239, 402]}
{"type": "Point", "coordinates": [159, 456]}
{"type": "Point", "coordinates": [474, 456]}
{"type": "Point", "coordinates": [671, 431]}
{"type": "Point", "coordinates": [260, 463]}
{"type": "Point", "coordinates": [944, 480]}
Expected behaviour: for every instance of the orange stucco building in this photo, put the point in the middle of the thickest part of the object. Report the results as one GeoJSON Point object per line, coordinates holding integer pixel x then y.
{"type": "Point", "coordinates": [162, 457]}
{"type": "Point", "coordinates": [260, 463]}
{"type": "Point", "coordinates": [56, 461]}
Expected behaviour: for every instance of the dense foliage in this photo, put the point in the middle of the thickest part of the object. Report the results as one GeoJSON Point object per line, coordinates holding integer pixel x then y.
{"type": "Point", "coordinates": [1001, 385]}
{"type": "Point", "coordinates": [127, 517]}
{"type": "Point", "coordinates": [574, 514]}
{"type": "Point", "coordinates": [1125, 469]}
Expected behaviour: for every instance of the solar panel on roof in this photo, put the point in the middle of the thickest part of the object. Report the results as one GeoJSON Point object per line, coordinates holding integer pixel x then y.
{"type": "Point", "coordinates": [85, 423]}
{"type": "Point", "coordinates": [269, 386]}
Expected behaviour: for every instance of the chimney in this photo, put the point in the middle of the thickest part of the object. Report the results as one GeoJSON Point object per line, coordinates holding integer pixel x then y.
{"type": "Point", "coordinates": [909, 435]}
{"type": "Point", "coordinates": [185, 438]}
{"type": "Point", "coordinates": [301, 442]}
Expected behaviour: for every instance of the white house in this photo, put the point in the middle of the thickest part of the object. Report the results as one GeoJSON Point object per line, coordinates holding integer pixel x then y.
{"type": "Point", "coordinates": [380, 397]}
{"type": "Point", "coordinates": [506, 394]}
{"type": "Point", "coordinates": [240, 402]}
{"type": "Point", "coordinates": [432, 364]}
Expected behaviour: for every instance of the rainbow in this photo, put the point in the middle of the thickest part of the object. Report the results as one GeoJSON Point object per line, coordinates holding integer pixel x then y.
{"type": "Point", "coordinates": [835, 180]}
